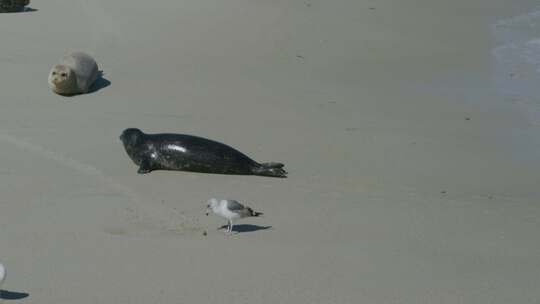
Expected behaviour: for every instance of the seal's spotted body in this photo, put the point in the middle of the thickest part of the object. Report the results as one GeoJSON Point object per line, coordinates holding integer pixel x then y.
{"type": "Point", "coordinates": [191, 153]}
{"type": "Point", "coordinates": [11, 6]}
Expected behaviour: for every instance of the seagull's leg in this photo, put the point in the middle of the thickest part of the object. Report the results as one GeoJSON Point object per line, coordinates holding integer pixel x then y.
{"type": "Point", "coordinates": [232, 225]}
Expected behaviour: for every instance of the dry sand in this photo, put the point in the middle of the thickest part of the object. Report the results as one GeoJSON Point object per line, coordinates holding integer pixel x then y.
{"type": "Point", "coordinates": [407, 179]}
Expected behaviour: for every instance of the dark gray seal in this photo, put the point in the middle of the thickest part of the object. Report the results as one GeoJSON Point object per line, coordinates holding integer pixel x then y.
{"type": "Point", "coordinates": [11, 6]}
{"type": "Point", "coordinates": [191, 153]}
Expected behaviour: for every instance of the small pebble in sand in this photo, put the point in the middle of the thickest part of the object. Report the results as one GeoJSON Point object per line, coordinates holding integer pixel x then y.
{"type": "Point", "coordinates": [443, 192]}
{"type": "Point", "coordinates": [467, 118]}
{"type": "Point", "coordinates": [205, 233]}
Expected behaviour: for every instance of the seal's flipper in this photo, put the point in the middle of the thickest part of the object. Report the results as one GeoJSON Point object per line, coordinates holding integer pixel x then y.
{"type": "Point", "coordinates": [270, 169]}
{"type": "Point", "coordinates": [144, 167]}
{"type": "Point", "coordinates": [273, 165]}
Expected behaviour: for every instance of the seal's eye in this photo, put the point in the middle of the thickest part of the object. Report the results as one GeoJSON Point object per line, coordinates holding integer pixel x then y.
{"type": "Point", "coordinates": [64, 74]}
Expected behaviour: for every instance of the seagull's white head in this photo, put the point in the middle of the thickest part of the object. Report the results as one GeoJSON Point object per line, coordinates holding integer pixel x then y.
{"type": "Point", "coordinates": [213, 204]}
{"type": "Point", "coordinates": [2, 274]}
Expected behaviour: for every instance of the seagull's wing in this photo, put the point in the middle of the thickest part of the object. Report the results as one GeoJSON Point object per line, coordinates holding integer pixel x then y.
{"type": "Point", "coordinates": [233, 205]}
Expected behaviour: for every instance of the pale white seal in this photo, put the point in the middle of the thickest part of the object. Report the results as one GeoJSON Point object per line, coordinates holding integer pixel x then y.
{"type": "Point", "coordinates": [74, 75]}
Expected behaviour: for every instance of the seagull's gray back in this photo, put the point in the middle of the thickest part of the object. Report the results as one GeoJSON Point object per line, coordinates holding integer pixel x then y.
{"type": "Point", "coordinates": [233, 205]}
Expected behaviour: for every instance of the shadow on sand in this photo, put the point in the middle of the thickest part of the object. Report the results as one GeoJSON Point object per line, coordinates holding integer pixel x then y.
{"type": "Point", "coordinates": [24, 10]}
{"type": "Point", "coordinates": [100, 83]}
{"type": "Point", "coordinates": [246, 228]}
{"type": "Point", "coordinates": [12, 295]}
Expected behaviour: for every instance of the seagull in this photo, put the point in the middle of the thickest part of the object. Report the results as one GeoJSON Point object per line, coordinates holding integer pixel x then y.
{"type": "Point", "coordinates": [230, 209]}
{"type": "Point", "coordinates": [2, 274]}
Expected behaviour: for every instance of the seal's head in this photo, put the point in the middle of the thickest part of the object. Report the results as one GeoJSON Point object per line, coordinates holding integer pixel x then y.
{"type": "Point", "coordinates": [62, 80]}
{"type": "Point", "coordinates": [131, 137]}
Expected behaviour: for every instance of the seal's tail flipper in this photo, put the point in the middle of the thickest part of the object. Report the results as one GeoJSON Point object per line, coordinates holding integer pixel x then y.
{"type": "Point", "coordinates": [270, 169]}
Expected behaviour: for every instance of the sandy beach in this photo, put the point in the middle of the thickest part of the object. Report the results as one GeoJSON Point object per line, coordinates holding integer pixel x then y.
{"type": "Point", "coordinates": [412, 179]}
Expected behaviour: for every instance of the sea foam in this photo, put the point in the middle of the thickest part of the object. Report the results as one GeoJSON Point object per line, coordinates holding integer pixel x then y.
{"type": "Point", "coordinates": [517, 61]}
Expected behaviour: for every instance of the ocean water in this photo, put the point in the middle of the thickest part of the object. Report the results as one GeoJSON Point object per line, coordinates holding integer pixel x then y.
{"type": "Point", "coordinates": [516, 59]}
